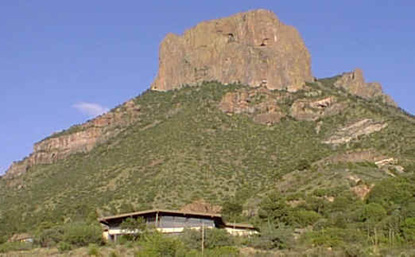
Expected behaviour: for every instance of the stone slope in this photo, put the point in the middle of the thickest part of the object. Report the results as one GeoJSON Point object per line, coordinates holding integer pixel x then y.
{"type": "Point", "coordinates": [253, 48]}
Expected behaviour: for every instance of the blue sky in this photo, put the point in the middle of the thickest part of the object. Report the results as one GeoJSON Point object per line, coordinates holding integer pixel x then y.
{"type": "Point", "coordinates": [62, 62]}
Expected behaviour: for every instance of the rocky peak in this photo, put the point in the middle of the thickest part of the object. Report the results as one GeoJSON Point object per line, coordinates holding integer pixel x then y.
{"type": "Point", "coordinates": [253, 48]}
{"type": "Point", "coordinates": [354, 83]}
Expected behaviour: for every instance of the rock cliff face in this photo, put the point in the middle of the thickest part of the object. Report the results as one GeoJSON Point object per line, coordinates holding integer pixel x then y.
{"type": "Point", "coordinates": [252, 48]}
{"type": "Point", "coordinates": [81, 138]}
{"type": "Point", "coordinates": [354, 83]}
{"type": "Point", "coordinates": [259, 103]}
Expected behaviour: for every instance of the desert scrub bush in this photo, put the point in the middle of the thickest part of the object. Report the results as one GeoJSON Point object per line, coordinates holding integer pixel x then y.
{"type": "Point", "coordinates": [335, 237]}
{"type": "Point", "coordinates": [93, 250]}
{"type": "Point", "coordinates": [50, 237]}
{"type": "Point", "coordinates": [192, 239]}
{"type": "Point", "coordinates": [223, 251]}
{"type": "Point", "coordinates": [156, 244]}
{"type": "Point", "coordinates": [113, 254]}
{"type": "Point", "coordinates": [15, 246]}
{"type": "Point", "coordinates": [64, 246]}
{"type": "Point", "coordinates": [304, 218]}
{"type": "Point", "coordinates": [272, 236]}
{"type": "Point", "coordinates": [81, 234]}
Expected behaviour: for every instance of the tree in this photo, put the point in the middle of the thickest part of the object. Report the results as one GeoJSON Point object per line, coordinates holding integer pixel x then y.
{"type": "Point", "coordinates": [232, 210]}
{"type": "Point", "coordinates": [134, 226]}
{"type": "Point", "coordinates": [273, 209]}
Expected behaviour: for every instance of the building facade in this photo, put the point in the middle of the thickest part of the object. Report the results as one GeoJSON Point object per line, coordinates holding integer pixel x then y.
{"type": "Point", "coordinates": [172, 222]}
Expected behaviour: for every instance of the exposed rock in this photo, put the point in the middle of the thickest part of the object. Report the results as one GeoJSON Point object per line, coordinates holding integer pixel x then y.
{"type": "Point", "coordinates": [367, 155]}
{"type": "Point", "coordinates": [201, 206]}
{"type": "Point", "coordinates": [329, 198]}
{"type": "Point", "coordinates": [260, 103]}
{"type": "Point", "coordinates": [354, 178]}
{"type": "Point", "coordinates": [80, 138]}
{"type": "Point", "coordinates": [355, 130]}
{"type": "Point", "coordinates": [362, 190]}
{"type": "Point", "coordinates": [384, 162]}
{"type": "Point", "coordinates": [253, 48]}
{"type": "Point", "coordinates": [354, 83]}
{"type": "Point", "coordinates": [389, 165]}
{"type": "Point", "coordinates": [311, 110]}
{"type": "Point", "coordinates": [23, 237]}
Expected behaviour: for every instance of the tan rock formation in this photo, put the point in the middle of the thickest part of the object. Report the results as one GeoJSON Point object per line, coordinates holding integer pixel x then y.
{"type": "Point", "coordinates": [354, 83]}
{"type": "Point", "coordinates": [355, 130]}
{"type": "Point", "coordinates": [259, 103]}
{"type": "Point", "coordinates": [252, 48]}
{"type": "Point", "coordinates": [364, 155]}
{"type": "Point", "coordinates": [362, 190]}
{"type": "Point", "coordinates": [80, 138]}
{"type": "Point", "coordinates": [201, 206]}
{"type": "Point", "coordinates": [311, 109]}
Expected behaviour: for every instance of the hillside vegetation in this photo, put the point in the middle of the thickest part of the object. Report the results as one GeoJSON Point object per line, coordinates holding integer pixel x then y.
{"type": "Point", "coordinates": [284, 177]}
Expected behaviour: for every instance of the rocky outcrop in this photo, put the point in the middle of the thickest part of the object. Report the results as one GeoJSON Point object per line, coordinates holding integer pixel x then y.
{"type": "Point", "coordinates": [355, 130]}
{"type": "Point", "coordinates": [259, 103]}
{"type": "Point", "coordinates": [364, 155]}
{"type": "Point", "coordinates": [80, 138]}
{"type": "Point", "coordinates": [201, 206]}
{"type": "Point", "coordinates": [362, 190]}
{"type": "Point", "coordinates": [354, 83]}
{"type": "Point", "coordinates": [311, 109]}
{"type": "Point", "coordinates": [254, 48]}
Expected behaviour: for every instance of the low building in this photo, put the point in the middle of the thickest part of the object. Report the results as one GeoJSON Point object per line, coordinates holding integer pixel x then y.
{"type": "Point", "coordinates": [23, 238]}
{"type": "Point", "coordinates": [172, 222]}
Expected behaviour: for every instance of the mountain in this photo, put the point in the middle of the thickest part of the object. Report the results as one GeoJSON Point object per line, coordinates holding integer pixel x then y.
{"type": "Point", "coordinates": [336, 151]}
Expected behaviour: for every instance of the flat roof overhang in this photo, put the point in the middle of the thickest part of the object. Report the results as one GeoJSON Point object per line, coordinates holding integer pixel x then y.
{"type": "Point", "coordinates": [108, 219]}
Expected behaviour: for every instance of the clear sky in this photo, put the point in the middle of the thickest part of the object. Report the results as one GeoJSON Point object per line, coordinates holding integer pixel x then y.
{"type": "Point", "coordinates": [62, 62]}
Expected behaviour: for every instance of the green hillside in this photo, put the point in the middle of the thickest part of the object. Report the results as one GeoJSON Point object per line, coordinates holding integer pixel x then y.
{"type": "Point", "coordinates": [184, 148]}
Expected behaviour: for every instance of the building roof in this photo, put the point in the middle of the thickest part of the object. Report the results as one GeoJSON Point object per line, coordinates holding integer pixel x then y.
{"type": "Point", "coordinates": [142, 213]}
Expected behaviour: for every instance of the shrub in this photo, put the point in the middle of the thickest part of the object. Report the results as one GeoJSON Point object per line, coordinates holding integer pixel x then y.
{"type": "Point", "coordinates": [272, 237]}
{"type": "Point", "coordinates": [81, 234]}
{"type": "Point", "coordinates": [304, 217]}
{"type": "Point", "coordinates": [335, 237]}
{"type": "Point", "coordinates": [50, 237]}
{"type": "Point", "coordinates": [64, 246]}
{"type": "Point", "coordinates": [408, 229]}
{"type": "Point", "coordinates": [192, 239]}
{"type": "Point", "coordinates": [15, 246]}
{"type": "Point", "coordinates": [224, 251]}
{"type": "Point", "coordinates": [113, 254]}
{"type": "Point", "coordinates": [217, 238]}
{"type": "Point", "coordinates": [93, 250]}
{"type": "Point", "coordinates": [156, 244]}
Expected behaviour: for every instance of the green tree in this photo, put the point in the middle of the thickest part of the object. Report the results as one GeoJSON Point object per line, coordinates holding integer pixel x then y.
{"type": "Point", "coordinates": [82, 234]}
{"type": "Point", "coordinates": [277, 236]}
{"type": "Point", "coordinates": [135, 227]}
{"type": "Point", "coordinates": [273, 209]}
{"type": "Point", "coordinates": [232, 210]}
{"type": "Point", "coordinates": [156, 245]}
{"type": "Point", "coordinates": [408, 229]}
